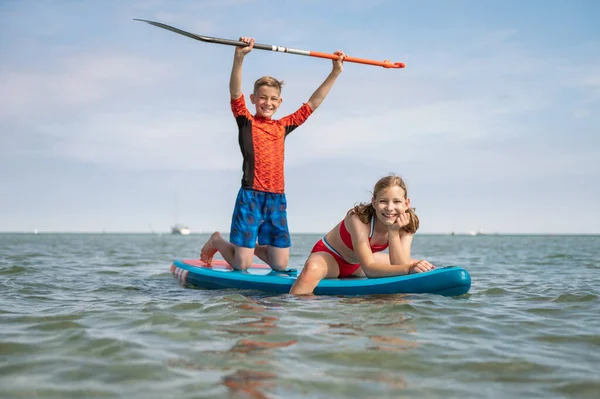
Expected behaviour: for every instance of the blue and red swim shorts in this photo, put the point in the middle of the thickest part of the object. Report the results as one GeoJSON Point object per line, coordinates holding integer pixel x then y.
{"type": "Point", "coordinates": [259, 216]}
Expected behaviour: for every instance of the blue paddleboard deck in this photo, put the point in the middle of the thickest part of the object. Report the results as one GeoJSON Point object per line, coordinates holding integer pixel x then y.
{"type": "Point", "coordinates": [448, 281]}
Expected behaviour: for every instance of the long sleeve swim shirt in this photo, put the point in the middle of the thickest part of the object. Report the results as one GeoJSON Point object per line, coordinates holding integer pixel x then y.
{"type": "Point", "coordinates": [262, 144]}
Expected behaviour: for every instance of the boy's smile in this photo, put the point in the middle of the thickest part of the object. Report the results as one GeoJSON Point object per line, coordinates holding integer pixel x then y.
{"type": "Point", "coordinates": [267, 101]}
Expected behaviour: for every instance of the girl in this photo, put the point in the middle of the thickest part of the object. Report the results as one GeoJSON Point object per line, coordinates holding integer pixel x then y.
{"type": "Point", "coordinates": [352, 247]}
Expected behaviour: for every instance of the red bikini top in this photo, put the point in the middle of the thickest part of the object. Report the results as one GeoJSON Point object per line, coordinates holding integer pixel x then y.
{"type": "Point", "coordinates": [347, 239]}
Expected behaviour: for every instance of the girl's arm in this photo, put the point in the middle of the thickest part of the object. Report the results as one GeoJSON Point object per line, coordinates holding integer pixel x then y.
{"type": "Point", "coordinates": [362, 248]}
{"type": "Point", "coordinates": [401, 263]}
{"type": "Point", "coordinates": [400, 243]}
{"type": "Point", "coordinates": [400, 240]}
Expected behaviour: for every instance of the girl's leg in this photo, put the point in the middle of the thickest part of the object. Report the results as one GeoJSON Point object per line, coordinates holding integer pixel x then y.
{"type": "Point", "coordinates": [318, 266]}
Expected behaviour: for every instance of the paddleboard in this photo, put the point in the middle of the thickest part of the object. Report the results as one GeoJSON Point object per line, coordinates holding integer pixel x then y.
{"type": "Point", "coordinates": [447, 281]}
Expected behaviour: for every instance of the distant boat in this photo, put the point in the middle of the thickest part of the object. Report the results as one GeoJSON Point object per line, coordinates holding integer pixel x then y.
{"type": "Point", "coordinates": [478, 233]}
{"type": "Point", "coordinates": [180, 230]}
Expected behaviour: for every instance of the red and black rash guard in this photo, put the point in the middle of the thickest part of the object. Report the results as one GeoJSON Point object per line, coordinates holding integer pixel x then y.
{"type": "Point", "coordinates": [262, 145]}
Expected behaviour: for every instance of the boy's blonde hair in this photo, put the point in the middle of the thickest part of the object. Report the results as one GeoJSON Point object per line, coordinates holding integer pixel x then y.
{"type": "Point", "coordinates": [365, 212]}
{"type": "Point", "coordinates": [268, 81]}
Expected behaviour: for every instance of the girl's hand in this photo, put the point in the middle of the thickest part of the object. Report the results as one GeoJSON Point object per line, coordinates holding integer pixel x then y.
{"type": "Point", "coordinates": [420, 266]}
{"type": "Point", "coordinates": [401, 221]}
{"type": "Point", "coordinates": [245, 50]}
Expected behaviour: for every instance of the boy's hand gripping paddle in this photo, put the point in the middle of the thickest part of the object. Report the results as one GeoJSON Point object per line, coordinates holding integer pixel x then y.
{"type": "Point", "coordinates": [269, 47]}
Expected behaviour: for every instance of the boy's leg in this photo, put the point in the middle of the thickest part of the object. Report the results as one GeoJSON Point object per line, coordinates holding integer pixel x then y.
{"type": "Point", "coordinates": [243, 258]}
{"type": "Point", "coordinates": [245, 221]}
{"type": "Point", "coordinates": [239, 258]}
{"type": "Point", "coordinates": [277, 258]}
{"type": "Point", "coordinates": [273, 235]}
{"type": "Point", "coordinates": [215, 244]}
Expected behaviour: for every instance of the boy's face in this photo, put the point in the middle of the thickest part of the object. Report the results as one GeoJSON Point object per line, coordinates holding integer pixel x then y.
{"type": "Point", "coordinates": [267, 101]}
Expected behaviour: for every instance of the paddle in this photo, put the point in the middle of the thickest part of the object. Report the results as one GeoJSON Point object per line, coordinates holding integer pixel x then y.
{"type": "Point", "coordinates": [269, 47]}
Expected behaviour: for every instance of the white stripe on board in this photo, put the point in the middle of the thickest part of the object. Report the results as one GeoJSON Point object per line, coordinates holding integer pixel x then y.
{"type": "Point", "coordinates": [180, 273]}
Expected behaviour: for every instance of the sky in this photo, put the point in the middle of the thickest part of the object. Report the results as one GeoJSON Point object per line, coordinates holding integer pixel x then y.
{"type": "Point", "coordinates": [109, 124]}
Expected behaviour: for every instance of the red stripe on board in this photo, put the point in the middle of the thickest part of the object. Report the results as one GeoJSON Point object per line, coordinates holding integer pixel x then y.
{"type": "Point", "coordinates": [180, 273]}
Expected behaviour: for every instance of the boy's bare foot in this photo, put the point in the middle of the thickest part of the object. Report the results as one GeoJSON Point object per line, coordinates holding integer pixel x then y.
{"type": "Point", "coordinates": [208, 250]}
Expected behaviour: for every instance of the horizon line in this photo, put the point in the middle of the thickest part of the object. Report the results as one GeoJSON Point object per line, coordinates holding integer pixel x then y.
{"type": "Point", "coordinates": [166, 232]}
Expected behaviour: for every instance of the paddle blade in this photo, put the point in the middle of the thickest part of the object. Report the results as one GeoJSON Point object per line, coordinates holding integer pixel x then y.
{"type": "Point", "coordinates": [176, 30]}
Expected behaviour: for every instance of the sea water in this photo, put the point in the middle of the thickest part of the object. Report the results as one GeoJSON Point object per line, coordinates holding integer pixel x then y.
{"type": "Point", "coordinates": [99, 315]}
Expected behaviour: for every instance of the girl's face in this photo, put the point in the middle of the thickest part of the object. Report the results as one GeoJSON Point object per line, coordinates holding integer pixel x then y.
{"type": "Point", "coordinates": [389, 204]}
{"type": "Point", "coordinates": [267, 101]}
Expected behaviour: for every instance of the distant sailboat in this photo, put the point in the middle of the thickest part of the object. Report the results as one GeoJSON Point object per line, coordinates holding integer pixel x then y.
{"type": "Point", "coordinates": [180, 230]}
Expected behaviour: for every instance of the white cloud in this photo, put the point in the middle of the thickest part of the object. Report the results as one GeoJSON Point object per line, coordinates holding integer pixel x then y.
{"type": "Point", "coordinates": [75, 81]}
{"type": "Point", "coordinates": [170, 140]}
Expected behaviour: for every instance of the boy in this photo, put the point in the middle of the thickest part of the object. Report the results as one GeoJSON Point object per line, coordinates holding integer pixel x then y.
{"type": "Point", "coordinates": [260, 209]}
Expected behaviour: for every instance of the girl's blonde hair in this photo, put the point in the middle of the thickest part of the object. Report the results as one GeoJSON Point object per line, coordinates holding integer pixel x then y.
{"type": "Point", "coordinates": [365, 211]}
{"type": "Point", "coordinates": [268, 81]}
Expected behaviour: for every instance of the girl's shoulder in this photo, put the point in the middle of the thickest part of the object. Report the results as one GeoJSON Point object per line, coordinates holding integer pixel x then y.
{"type": "Point", "coordinates": [351, 217]}
{"type": "Point", "coordinates": [353, 223]}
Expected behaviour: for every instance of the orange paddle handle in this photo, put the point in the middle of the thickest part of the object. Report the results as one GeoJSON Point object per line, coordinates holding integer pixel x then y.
{"type": "Point", "coordinates": [385, 64]}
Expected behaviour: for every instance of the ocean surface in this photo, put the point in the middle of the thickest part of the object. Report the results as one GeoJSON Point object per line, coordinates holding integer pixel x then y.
{"type": "Point", "coordinates": [100, 316]}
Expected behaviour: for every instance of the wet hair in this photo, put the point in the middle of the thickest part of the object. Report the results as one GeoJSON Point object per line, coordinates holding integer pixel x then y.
{"type": "Point", "coordinates": [366, 211]}
{"type": "Point", "coordinates": [268, 81]}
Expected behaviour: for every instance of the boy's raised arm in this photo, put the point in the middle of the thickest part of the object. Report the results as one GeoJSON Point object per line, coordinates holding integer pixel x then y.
{"type": "Point", "coordinates": [319, 95]}
{"type": "Point", "coordinates": [235, 81]}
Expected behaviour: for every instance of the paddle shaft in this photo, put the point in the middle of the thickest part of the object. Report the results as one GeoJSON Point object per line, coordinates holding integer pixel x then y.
{"type": "Point", "coordinates": [270, 47]}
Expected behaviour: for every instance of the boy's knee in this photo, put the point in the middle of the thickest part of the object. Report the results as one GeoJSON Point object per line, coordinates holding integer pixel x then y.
{"type": "Point", "coordinates": [279, 263]}
{"type": "Point", "coordinates": [278, 267]}
{"type": "Point", "coordinates": [278, 258]}
{"type": "Point", "coordinates": [242, 266]}
{"type": "Point", "coordinates": [242, 262]}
